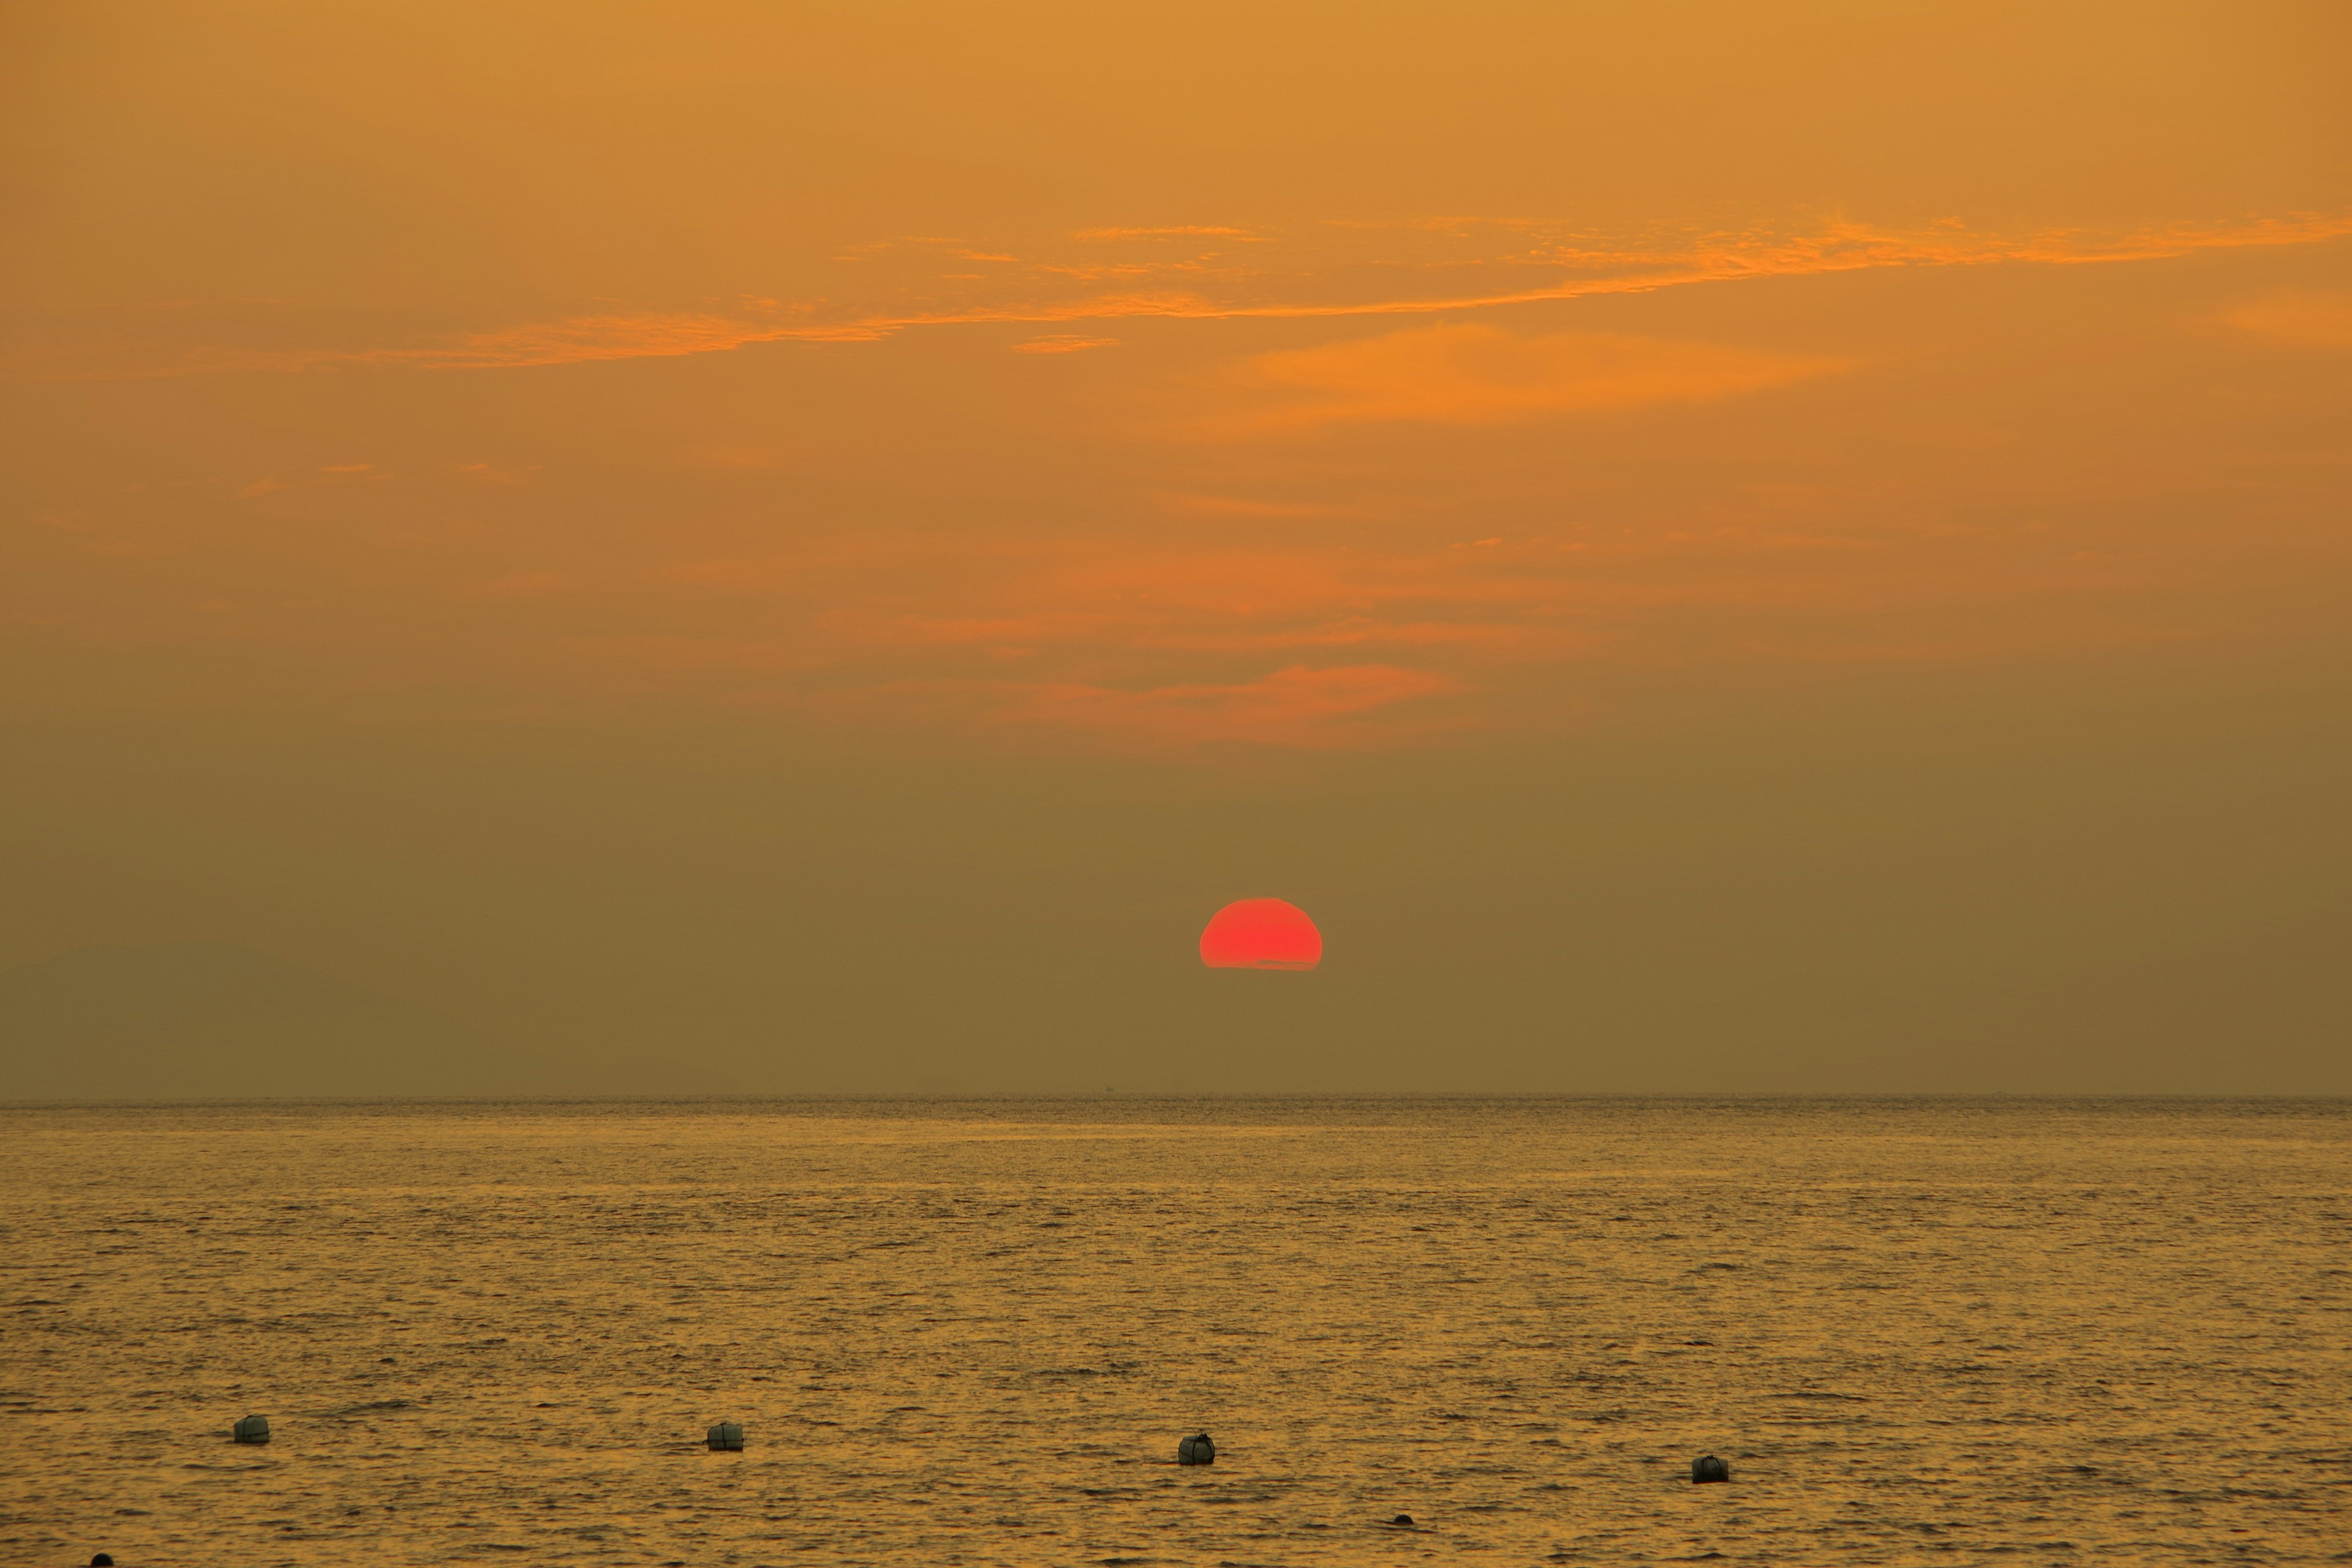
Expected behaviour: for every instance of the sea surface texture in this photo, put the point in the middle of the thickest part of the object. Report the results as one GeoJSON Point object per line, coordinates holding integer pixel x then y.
{"type": "Point", "coordinates": [1924, 1332]}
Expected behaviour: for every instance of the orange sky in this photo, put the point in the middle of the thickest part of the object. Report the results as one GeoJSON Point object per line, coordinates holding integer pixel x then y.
{"type": "Point", "coordinates": [1190, 388]}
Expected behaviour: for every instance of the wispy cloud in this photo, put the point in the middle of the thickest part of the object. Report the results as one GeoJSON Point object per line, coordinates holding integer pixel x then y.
{"type": "Point", "coordinates": [2309, 318]}
{"type": "Point", "coordinates": [327, 474]}
{"type": "Point", "coordinates": [1251, 508]}
{"type": "Point", "coordinates": [1169, 231]}
{"type": "Point", "coordinates": [1062, 343]}
{"type": "Point", "coordinates": [588, 338]}
{"type": "Point", "coordinates": [1836, 247]}
{"type": "Point", "coordinates": [1314, 283]}
{"type": "Point", "coordinates": [1339, 707]}
{"type": "Point", "coordinates": [1472, 373]}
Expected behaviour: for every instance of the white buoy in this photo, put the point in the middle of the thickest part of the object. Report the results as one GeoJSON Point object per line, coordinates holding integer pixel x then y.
{"type": "Point", "coordinates": [1196, 1450]}
{"type": "Point", "coordinates": [252, 1429]}
{"type": "Point", "coordinates": [727, 1437]}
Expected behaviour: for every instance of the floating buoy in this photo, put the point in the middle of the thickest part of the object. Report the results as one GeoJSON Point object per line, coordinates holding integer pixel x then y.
{"type": "Point", "coordinates": [103, 1560]}
{"type": "Point", "coordinates": [727, 1437]}
{"type": "Point", "coordinates": [1196, 1450]}
{"type": "Point", "coordinates": [1403, 1518]}
{"type": "Point", "coordinates": [1709, 1468]}
{"type": "Point", "coordinates": [252, 1429]}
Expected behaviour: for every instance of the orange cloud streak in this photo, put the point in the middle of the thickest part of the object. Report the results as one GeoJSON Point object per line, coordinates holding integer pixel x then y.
{"type": "Point", "coordinates": [2307, 317]}
{"type": "Point", "coordinates": [1841, 246]}
{"type": "Point", "coordinates": [1333, 708]}
{"type": "Point", "coordinates": [1472, 373]}
{"type": "Point", "coordinates": [1063, 344]}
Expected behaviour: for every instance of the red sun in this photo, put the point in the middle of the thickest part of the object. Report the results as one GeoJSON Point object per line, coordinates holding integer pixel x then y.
{"type": "Point", "coordinates": [1261, 934]}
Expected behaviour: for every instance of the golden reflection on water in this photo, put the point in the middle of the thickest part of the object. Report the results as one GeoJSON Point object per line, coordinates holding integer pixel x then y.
{"type": "Point", "coordinates": [1931, 1332]}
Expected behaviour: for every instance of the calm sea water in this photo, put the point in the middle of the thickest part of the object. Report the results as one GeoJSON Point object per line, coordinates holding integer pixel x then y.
{"type": "Point", "coordinates": [1927, 1331]}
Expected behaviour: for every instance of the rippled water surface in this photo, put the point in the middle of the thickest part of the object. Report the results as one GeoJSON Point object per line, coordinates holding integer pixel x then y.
{"type": "Point", "coordinates": [1923, 1332]}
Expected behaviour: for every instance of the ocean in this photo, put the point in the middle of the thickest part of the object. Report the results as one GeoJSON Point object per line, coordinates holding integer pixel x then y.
{"type": "Point", "coordinates": [973, 1331]}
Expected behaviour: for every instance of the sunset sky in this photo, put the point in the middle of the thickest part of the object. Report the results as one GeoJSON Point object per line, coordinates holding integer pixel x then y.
{"type": "Point", "coordinates": [1710, 546]}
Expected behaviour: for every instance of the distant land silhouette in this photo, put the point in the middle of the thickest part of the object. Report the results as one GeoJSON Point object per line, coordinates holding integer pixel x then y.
{"type": "Point", "coordinates": [210, 1020]}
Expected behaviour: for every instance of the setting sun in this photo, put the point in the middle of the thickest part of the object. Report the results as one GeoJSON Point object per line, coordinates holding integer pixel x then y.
{"type": "Point", "coordinates": [1261, 934]}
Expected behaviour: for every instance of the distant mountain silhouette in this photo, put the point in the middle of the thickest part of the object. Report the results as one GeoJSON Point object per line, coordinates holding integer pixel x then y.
{"type": "Point", "coordinates": [207, 1020]}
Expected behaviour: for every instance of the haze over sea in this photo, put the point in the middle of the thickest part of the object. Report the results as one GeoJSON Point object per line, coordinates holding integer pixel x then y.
{"type": "Point", "coordinates": [1928, 1330]}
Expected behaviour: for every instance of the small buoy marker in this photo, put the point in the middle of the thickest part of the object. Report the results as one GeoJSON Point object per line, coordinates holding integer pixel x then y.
{"type": "Point", "coordinates": [727, 1437]}
{"type": "Point", "coordinates": [1403, 1518]}
{"type": "Point", "coordinates": [1708, 1467]}
{"type": "Point", "coordinates": [251, 1429]}
{"type": "Point", "coordinates": [103, 1560]}
{"type": "Point", "coordinates": [1196, 1450]}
